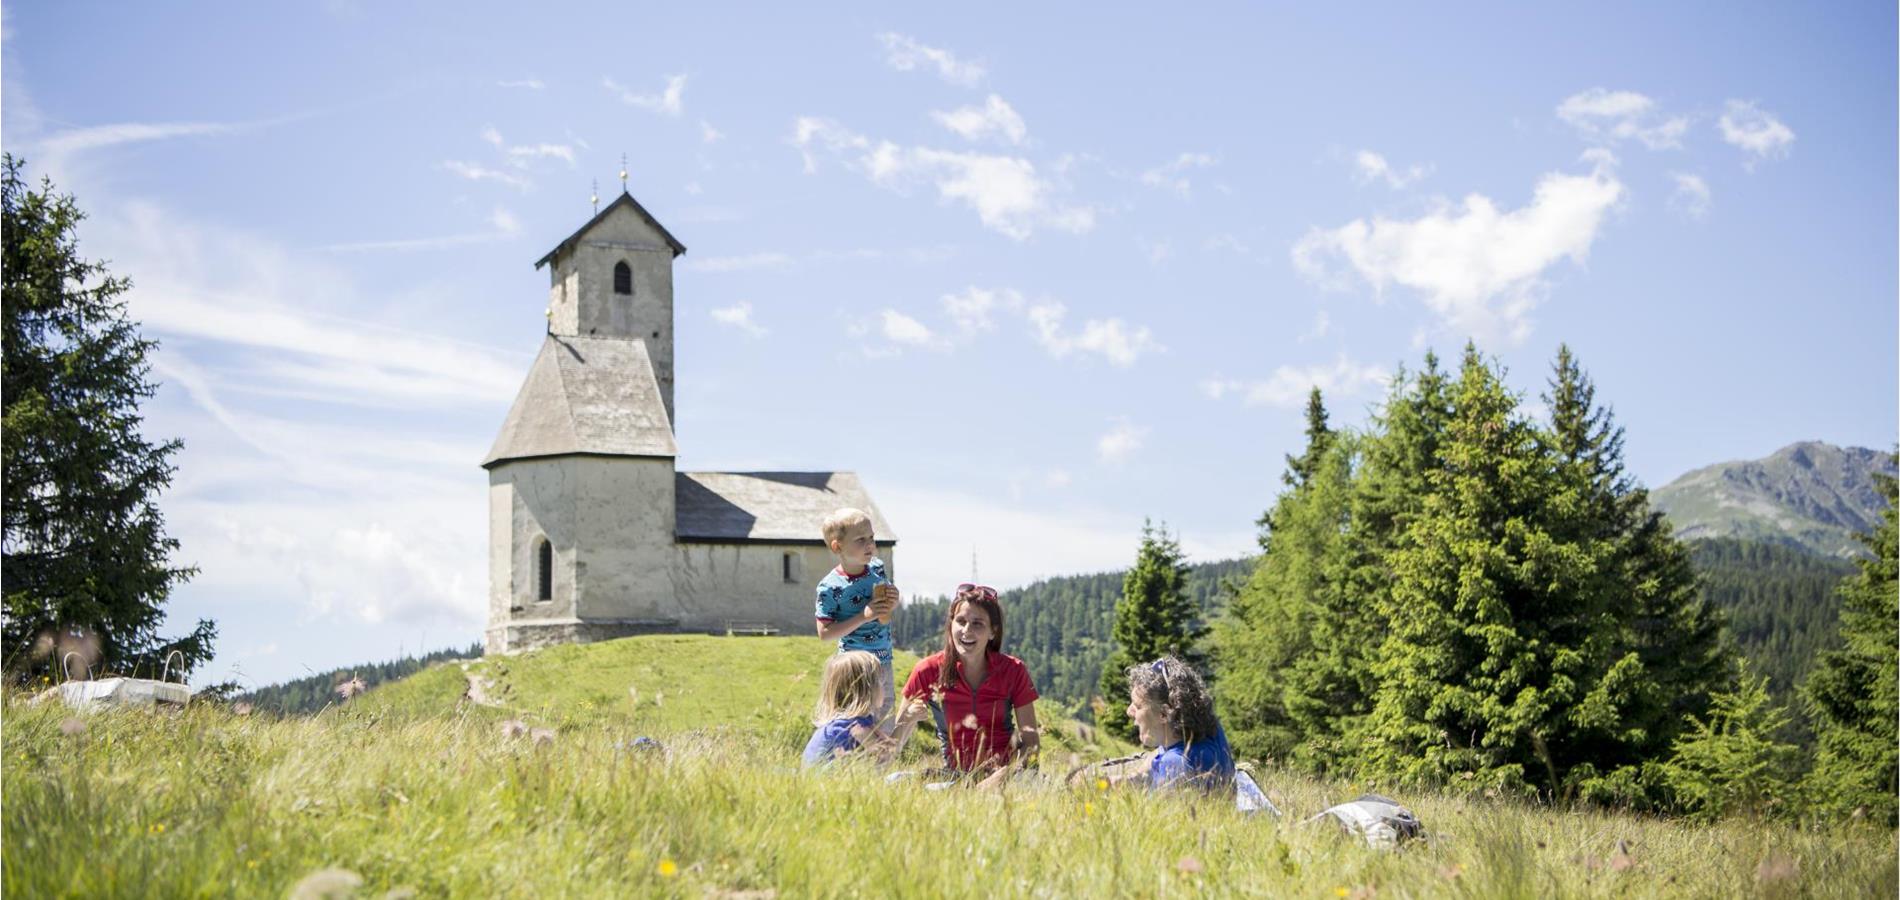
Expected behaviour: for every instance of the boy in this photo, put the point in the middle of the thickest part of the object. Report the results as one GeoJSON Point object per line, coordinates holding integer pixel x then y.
{"type": "Point", "coordinates": [855, 601]}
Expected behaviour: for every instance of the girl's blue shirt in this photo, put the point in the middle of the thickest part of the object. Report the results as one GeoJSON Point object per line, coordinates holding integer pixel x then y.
{"type": "Point", "coordinates": [832, 738]}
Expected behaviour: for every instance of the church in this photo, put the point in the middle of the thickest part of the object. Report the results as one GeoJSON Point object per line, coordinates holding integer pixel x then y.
{"type": "Point", "coordinates": [593, 533]}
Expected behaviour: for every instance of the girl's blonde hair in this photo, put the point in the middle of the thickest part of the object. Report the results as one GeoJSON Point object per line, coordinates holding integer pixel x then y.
{"type": "Point", "coordinates": [849, 687]}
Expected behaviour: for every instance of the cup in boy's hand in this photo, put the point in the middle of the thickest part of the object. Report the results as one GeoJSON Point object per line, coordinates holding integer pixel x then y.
{"type": "Point", "coordinates": [884, 597]}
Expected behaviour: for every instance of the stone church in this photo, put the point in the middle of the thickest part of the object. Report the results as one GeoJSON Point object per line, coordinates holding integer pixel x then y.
{"type": "Point", "coordinates": [593, 533]}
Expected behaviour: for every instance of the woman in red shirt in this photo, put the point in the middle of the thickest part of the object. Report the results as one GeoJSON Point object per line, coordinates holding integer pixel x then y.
{"type": "Point", "coordinates": [976, 690]}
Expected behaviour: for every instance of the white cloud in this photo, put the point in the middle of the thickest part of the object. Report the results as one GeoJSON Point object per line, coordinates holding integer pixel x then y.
{"type": "Point", "coordinates": [1288, 386]}
{"type": "Point", "coordinates": [1373, 167]}
{"type": "Point", "coordinates": [971, 309]}
{"type": "Point", "coordinates": [1114, 340]}
{"type": "Point", "coordinates": [709, 134]}
{"type": "Point", "coordinates": [994, 117]}
{"type": "Point", "coordinates": [1057, 478]}
{"type": "Point", "coordinates": [1692, 197]}
{"type": "Point", "coordinates": [1157, 252]}
{"type": "Point", "coordinates": [906, 330]}
{"type": "Point", "coordinates": [1172, 175]}
{"type": "Point", "coordinates": [533, 84]}
{"type": "Point", "coordinates": [1322, 323]}
{"type": "Point", "coordinates": [81, 139]}
{"type": "Point", "coordinates": [1755, 131]}
{"type": "Point", "coordinates": [503, 222]}
{"type": "Point", "coordinates": [667, 102]}
{"type": "Point", "coordinates": [523, 154]}
{"type": "Point", "coordinates": [739, 316]}
{"type": "Point", "coordinates": [1006, 192]}
{"type": "Point", "coordinates": [905, 54]}
{"type": "Point", "coordinates": [1121, 441]}
{"type": "Point", "coordinates": [769, 260]}
{"type": "Point", "coordinates": [1479, 268]}
{"type": "Point", "coordinates": [477, 172]}
{"type": "Point", "coordinates": [1611, 116]}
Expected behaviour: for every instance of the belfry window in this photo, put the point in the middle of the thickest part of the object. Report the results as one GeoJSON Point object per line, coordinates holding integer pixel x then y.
{"type": "Point", "coordinates": [544, 571]}
{"type": "Point", "coordinates": [623, 278]}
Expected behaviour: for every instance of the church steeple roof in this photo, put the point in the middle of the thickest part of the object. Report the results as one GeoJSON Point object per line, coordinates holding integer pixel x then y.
{"type": "Point", "coordinates": [586, 396]}
{"type": "Point", "coordinates": [625, 199]}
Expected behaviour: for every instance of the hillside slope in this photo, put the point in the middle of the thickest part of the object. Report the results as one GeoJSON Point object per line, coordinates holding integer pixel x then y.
{"type": "Point", "coordinates": [659, 684]}
{"type": "Point", "coordinates": [1811, 495]}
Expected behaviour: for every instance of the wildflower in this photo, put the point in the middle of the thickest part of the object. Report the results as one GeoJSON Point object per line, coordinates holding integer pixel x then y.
{"type": "Point", "coordinates": [241, 708]}
{"type": "Point", "coordinates": [72, 727]}
{"type": "Point", "coordinates": [351, 688]}
{"type": "Point", "coordinates": [513, 728]}
{"type": "Point", "coordinates": [1188, 865]}
{"type": "Point", "coordinates": [1341, 892]}
{"type": "Point", "coordinates": [1101, 784]}
{"type": "Point", "coordinates": [543, 736]}
{"type": "Point", "coordinates": [1088, 809]}
{"type": "Point", "coordinates": [668, 869]}
{"type": "Point", "coordinates": [156, 828]}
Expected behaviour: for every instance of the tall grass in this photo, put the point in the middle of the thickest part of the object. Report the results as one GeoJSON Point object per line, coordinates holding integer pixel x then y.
{"type": "Point", "coordinates": [415, 791]}
{"type": "Point", "coordinates": [205, 802]}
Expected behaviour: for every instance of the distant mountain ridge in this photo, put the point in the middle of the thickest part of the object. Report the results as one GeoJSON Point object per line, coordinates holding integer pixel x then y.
{"type": "Point", "coordinates": [1811, 495]}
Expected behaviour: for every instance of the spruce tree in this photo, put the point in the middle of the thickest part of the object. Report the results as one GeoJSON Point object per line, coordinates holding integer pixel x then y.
{"type": "Point", "coordinates": [1852, 694]}
{"type": "Point", "coordinates": [1154, 618]}
{"type": "Point", "coordinates": [86, 565]}
{"type": "Point", "coordinates": [1268, 627]}
{"type": "Point", "coordinates": [1496, 635]}
{"type": "Point", "coordinates": [1655, 642]}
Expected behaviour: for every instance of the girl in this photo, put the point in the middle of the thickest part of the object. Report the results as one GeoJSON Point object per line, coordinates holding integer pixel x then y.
{"type": "Point", "coordinates": [848, 697]}
{"type": "Point", "coordinates": [1173, 713]}
{"type": "Point", "coordinates": [976, 690]}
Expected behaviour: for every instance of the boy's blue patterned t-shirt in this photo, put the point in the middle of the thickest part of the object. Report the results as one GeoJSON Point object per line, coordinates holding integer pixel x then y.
{"type": "Point", "coordinates": [842, 597]}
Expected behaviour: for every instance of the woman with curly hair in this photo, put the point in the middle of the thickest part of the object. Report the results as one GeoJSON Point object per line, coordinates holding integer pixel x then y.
{"type": "Point", "coordinates": [1174, 714]}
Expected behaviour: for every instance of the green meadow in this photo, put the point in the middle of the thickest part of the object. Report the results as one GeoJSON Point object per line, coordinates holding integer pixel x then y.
{"type": "Point", "coordinates": [413, 790]}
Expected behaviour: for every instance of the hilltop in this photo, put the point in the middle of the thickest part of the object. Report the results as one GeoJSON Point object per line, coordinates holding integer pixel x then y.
{"type": "Point", "coordinates": [763, 687]}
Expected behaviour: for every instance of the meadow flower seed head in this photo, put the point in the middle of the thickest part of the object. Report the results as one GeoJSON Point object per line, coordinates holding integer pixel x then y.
{"type": "Point", "coordinates": [543, 736]}
{"type": "Point", "coordinates": [513, 728]}
{"type": "Point", "coordinates": [72, 727]}
{"type": "Point", "coordinates": [351, 688]}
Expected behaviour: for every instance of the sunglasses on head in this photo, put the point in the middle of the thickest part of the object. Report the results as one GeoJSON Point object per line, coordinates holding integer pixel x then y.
{"type": "Point", "coordinates": [1162, 671]}
{"type": "Point", "coordinates": [969, 591]}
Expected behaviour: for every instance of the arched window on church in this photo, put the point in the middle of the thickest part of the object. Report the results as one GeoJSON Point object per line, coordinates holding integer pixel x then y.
{"type": "Point", "coordinates": [623, 278]}
{"type": "Point", "coordinates": [544, 571]}
{"type": "Point", "coordinates": [789, 566]}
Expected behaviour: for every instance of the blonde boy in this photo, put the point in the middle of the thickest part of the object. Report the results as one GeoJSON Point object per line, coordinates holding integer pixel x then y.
{"type": "Point", "coordinates": [855, 601]}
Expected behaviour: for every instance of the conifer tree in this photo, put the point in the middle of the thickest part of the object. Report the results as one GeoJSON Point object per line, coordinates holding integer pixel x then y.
{"type": "Point", "coordinates": [1852, 692]}
{"type": "Point", "coordinates": [1497, 640]}
{"type": "Point", "coordinates": [86, 565]}
{"type": "Point", "coordinates": [1154, 618]}
{"type": "Point", "coordinates": [1318, 435]}
{"type": "Point", "coordinates": [1269, 625]}
{"type": "Point", "coordinates": [1669, 656]}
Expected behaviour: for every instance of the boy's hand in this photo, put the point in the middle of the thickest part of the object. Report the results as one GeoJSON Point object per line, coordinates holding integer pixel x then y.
{"type": "Point", "coordinates": [884, 598]}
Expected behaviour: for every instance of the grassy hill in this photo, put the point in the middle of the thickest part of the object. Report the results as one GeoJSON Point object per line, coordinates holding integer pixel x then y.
{"type": "Point", "coordinates": [1810, 495]}
{"type": "Point", "coordinates": [417, 795]}
{"type": "Point", "coordinates": [761, 687]}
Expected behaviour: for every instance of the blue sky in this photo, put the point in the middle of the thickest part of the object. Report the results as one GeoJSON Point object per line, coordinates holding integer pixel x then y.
{"type": "Point", "coordinates": [1035, 273]}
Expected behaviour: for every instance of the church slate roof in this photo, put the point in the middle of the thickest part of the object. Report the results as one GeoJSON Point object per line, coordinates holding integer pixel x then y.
{"type": "Point", "coordinates": [624, 199]}
{"type": "Point", "coordinates": [586, 395]}
{"type": "Point", "coordinates": [774, 507]}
